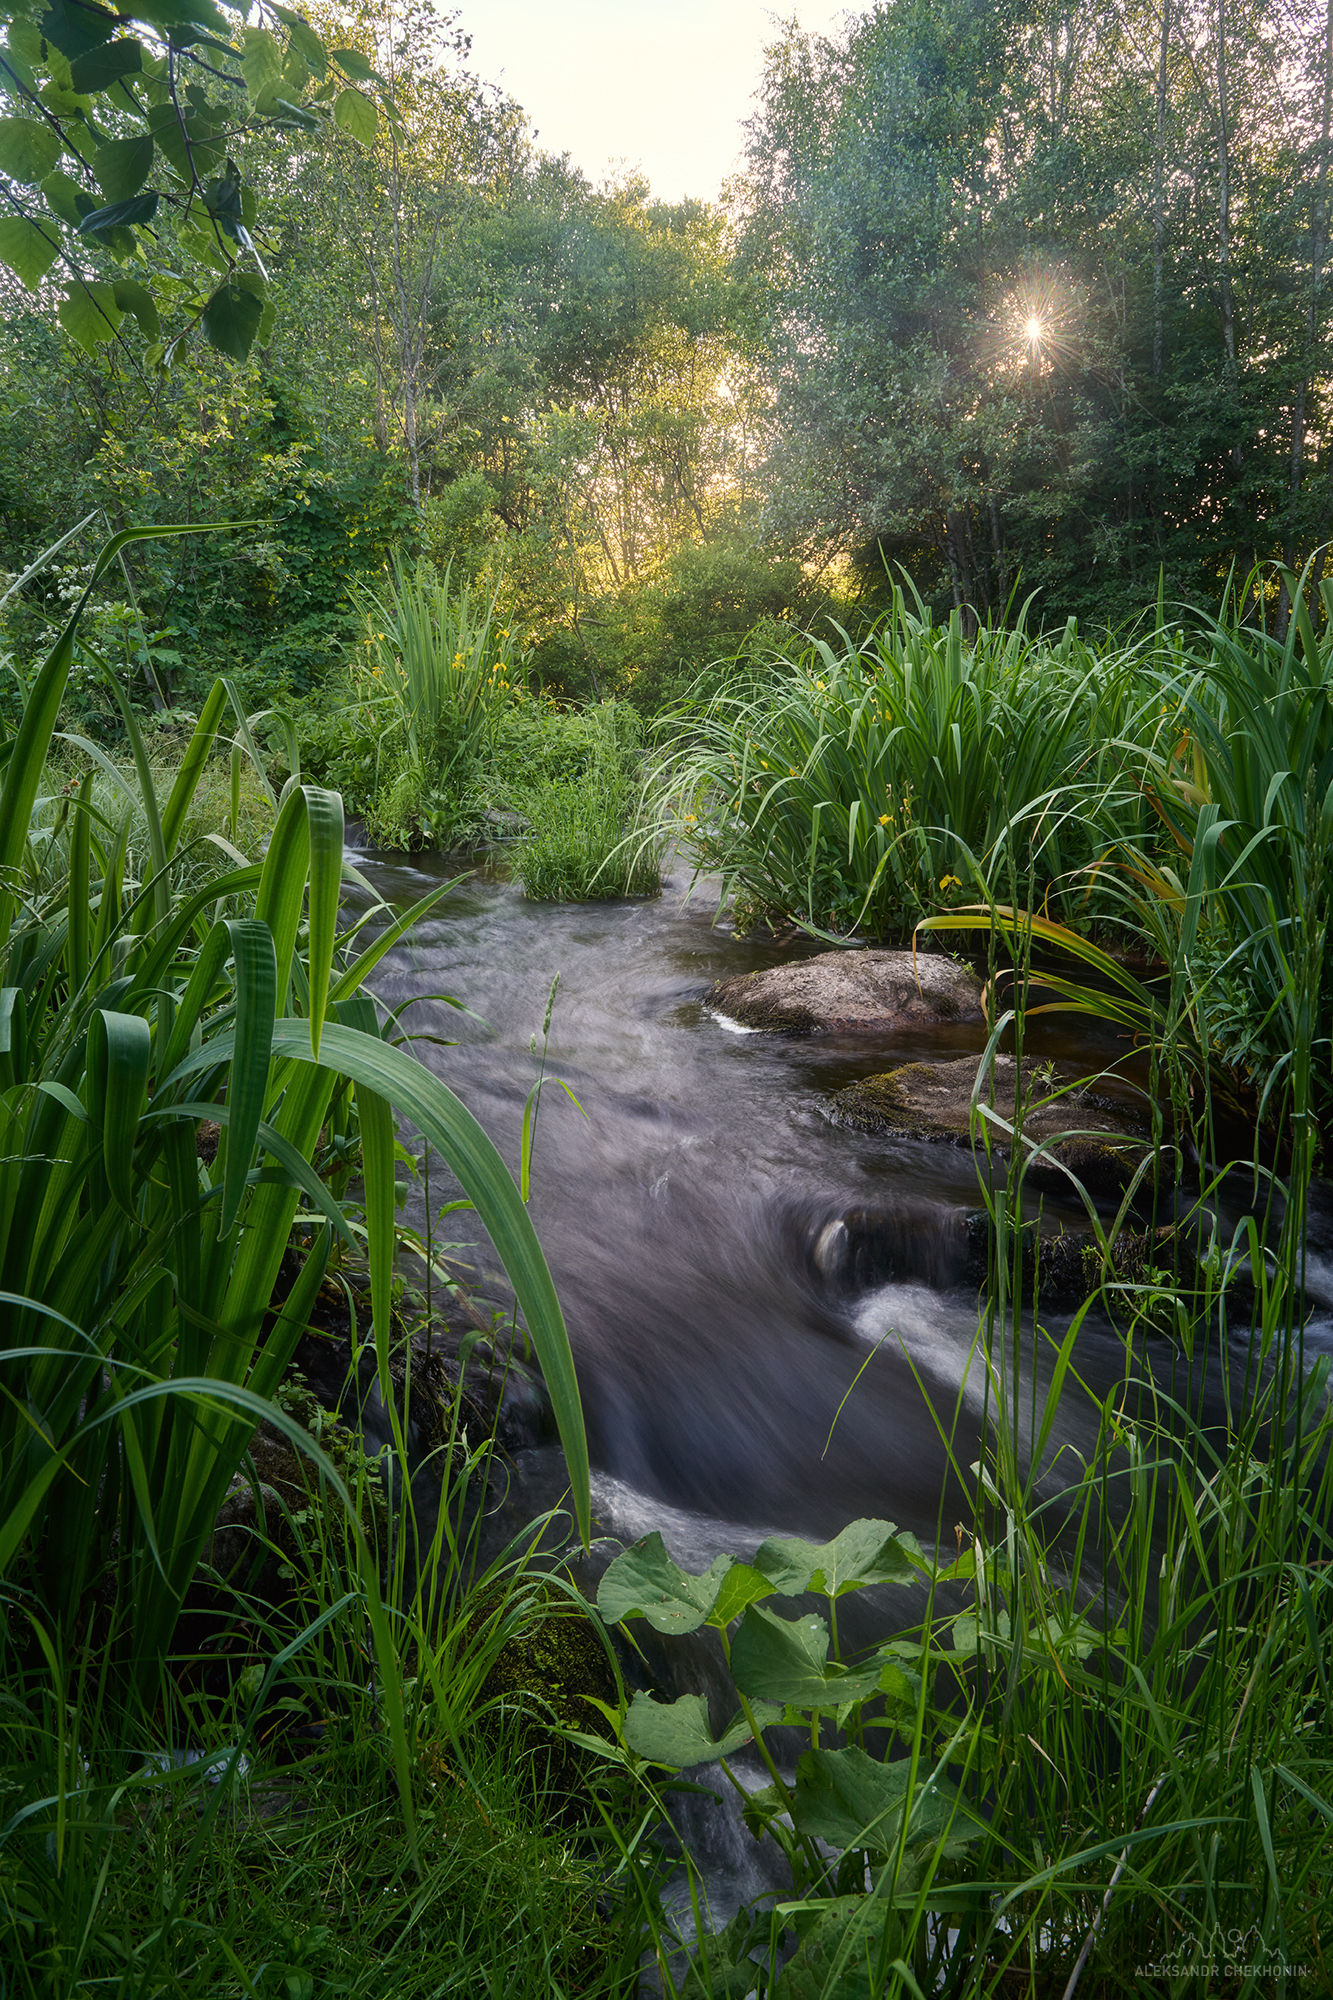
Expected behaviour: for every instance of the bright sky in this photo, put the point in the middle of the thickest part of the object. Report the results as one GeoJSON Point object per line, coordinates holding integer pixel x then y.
{"type": "Point", "coordinates": [657, 84]}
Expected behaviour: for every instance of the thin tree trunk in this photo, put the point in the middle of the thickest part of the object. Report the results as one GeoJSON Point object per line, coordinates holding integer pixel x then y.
{"type": "Point", "coordinates": [1318, 253]}
{"type": "Point", "coordinates": [1224, 199]}
{"type": "Point", "coordinates": [1159, 191]}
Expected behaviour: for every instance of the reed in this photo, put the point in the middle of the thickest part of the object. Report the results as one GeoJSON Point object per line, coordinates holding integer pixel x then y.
{"type": "Point", "coordinates": [861, 787]}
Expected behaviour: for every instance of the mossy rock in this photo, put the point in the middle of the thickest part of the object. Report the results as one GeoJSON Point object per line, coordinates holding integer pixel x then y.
{"type": "Point", "coordinates": [1106, 1142]}
{"type": "Point", "coordinates": [851, 992]}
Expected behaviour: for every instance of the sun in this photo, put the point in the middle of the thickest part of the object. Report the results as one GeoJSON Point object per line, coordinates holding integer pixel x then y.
{"type": "Point", "coordinates": [1032, 327]}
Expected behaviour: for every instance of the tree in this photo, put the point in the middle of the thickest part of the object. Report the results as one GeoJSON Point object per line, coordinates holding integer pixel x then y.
{"type": "Point", "coordinates": [1046, 293]}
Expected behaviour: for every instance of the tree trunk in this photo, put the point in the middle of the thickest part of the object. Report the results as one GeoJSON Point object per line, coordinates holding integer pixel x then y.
{"type": "Point", "coordinates": [1224, 199]}
{"type": "Point", "coordinates": [1159, 183]}
{"type": "Point", "coordinates": [1318, 254]}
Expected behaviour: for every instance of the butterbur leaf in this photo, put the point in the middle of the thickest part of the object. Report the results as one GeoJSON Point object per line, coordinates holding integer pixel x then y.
{"type": "Point", "coordinates": [28, 151]}
{"type": "Point", "coordinates": [121, 214]}
{"type": "Point", "coordinates": [852, 1800]}
{"type": "Point", "coordinates": [123, 166]}
{"type": "Point", "coordinates": [866, 1552]}
{"type": "Point", "coordinates": [90, 315]}
{"type": "Point", "coordinates": [741, 1585]}
{"type": "Point", "coordinates": [28, 248]}
{"type": "Point", "coordinates": [231, 320]}
{"type": "Point", "coordinates": [845, 1955]}
{"type": "Point", "coordinates": [786, 1660]}
{"type": "Point", "coordinates": [722, 1968]}
{"type": "Point", "coordinates": [356, 114]}
{"type": "Point", "coordinates": [646, 1583]}
{"type": "Point", "coordinates": [678, 1734]}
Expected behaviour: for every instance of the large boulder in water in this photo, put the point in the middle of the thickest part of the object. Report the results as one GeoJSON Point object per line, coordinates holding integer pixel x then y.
{"type": "Point", "coordinates": [933, 1100]}
{"type": "Point", "coordinates": [856, 992]}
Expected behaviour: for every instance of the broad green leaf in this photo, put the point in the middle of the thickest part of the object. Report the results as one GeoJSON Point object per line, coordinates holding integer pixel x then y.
{"type": "Point", "coordinates": [77, 28]}
{"type": "Point", "coordinates": [866, 1552]}
{"type": "Point", "coordinates": [180, 13]}
{"type": "Point", "coordinates": [356, 114]}
{"type": "Point", "coordinates": [28, 150]}
{"type": "Point", "coordinates": [231, 320]}
{"type": "Point", "coordinates": [66, 198]}
{"type": "Point", "coordinates": [122, 166]}
{"type": "Point", "coordinates": [305, 40]}
{"type": "Point", "coordinates": [846, 1954]}
{"type": "Point", "coordinates": [121, 214]}
{"type": "Point", "coordinates": [97, 69]}
{"type": "Point", "coordinates": [741, 1585]}
{"type": "Point", "coordinates": [646, 1583]}
{"type": "Point", "coordinates": [678, 1733]}
{"type": "Point", "coordinates": [262, 62]}
{"type": "Point", "coordinates": [29, 248]}
{"type": "Point", "coordinates": [190, 147]}
{"type": "Point", "coordinates": [132, 297]}
{"type": "Point", "coordinates": [786, 1660]}
{"type": "Point", "coordinates": [852, 1800]}
{"type": "Point", "coordinates": [247, 1086]}
{"type": "Point", "coordinates": [352, 63]}
{"type": "Point", "coordinates": [722, 1968]}
{"type": "Point", "coordinates": [90, 315]}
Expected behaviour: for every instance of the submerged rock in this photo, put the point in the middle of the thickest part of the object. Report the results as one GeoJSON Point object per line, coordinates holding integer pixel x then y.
{"type": "Point", "coordinates": [850, 992]}
{"type": "Point", "coordinates": [1105, 1142]}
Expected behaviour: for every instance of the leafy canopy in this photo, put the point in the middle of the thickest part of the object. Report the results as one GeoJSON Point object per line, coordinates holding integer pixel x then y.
{"type": "Point", "coordinates": [118, 189]}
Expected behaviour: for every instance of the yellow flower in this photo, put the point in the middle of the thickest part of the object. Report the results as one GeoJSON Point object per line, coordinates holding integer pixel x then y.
{"type": "Point", "coordinates": [883, 819]}
{"type": "Point", "coordinates": [950, 882]}
{"type": "Point", "coordinates": [791, 770]}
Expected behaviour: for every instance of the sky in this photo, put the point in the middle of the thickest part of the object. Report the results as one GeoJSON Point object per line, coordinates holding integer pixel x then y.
{"type": "Point", "coordinates": [658, 84]}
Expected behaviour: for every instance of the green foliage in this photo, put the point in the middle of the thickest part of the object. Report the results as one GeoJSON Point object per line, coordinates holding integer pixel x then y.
{"type": "Point", "coordinates": [865, 785]}
{"type": "Point", "coordinates": [588, 837]}
{"type": "Point", "coordinates": [105, 104]}
{"type": "Point", "coordinates": [981, 245]}
{"type": "Point", "coordinates": [138, 1277]}
{"type": "Point", "coordinates": [213, 1866]}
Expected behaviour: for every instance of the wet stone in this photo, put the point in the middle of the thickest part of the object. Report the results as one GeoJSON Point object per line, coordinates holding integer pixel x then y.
{"type": "Point", "coordinates": [1105, 1144]}
{"type": "Point", "coordinates": [851, 992]}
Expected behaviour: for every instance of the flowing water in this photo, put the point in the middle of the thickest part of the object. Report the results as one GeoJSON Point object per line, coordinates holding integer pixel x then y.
{"type": "Point", "coordinates": [727, 1257]}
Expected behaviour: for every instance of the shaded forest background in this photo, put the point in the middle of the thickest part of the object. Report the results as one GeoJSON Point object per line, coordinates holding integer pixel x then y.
{"type": "Point", "coordinates": [1011, 297]}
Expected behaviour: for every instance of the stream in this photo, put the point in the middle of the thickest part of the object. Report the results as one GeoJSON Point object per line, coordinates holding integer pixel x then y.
{"type": "Point", "coordinates": [727, 1258]}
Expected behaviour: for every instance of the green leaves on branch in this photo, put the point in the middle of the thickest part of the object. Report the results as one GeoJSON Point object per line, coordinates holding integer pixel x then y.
{"type": "Point", "coordinates": [114, 133]}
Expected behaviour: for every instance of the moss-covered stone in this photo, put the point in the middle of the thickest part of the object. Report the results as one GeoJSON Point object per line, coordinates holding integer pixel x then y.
{"type": "Point", "coordinates": [1100, 1142]}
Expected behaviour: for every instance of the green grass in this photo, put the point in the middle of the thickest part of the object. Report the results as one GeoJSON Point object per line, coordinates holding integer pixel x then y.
{"type": "Point", "coordinates": [587, 839]}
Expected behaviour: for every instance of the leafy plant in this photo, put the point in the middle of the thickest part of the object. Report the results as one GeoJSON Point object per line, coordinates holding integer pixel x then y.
{"type": "Point", "coordinates": [588, 837]}
{"type": "Point", "coordinates": [863, 786]}
{"type": "Point", "coordinates": [439, 669]}
{"type": "Point", "coordinates": [140, 1341]}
